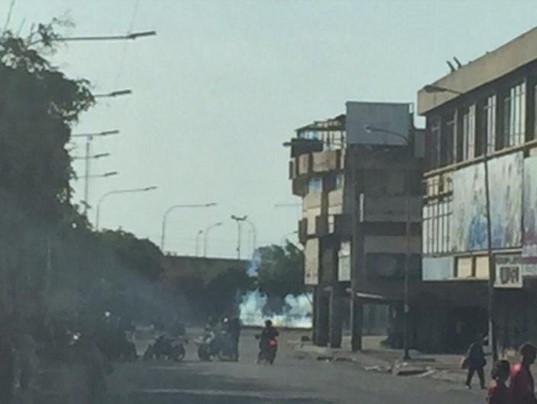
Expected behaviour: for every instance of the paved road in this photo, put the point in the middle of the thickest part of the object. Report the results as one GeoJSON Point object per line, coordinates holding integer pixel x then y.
{"type": "Point", "coordinates": [290, 380]}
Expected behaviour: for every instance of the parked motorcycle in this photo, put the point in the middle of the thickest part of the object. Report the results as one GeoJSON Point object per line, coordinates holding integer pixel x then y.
{"type": "Point", "coordinates": [215, 344]}
{"type": "Point", "coordinates": [166, 347]}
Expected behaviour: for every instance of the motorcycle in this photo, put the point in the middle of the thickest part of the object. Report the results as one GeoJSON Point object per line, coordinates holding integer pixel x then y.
{"type": "Point", "coordinates": [215, 344]}
{"type": "Point", "coordinates": [166, 347]}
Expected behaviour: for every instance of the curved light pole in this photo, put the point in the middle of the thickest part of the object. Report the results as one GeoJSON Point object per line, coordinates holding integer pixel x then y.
{"type": "Point", "coordinates": [198, 235]}
{"type": "Point", "coordinates": [174, 207]}
{"type": "Point", "coordinates": [206, 236]}
{"type": "Point", "coordinates": [239, 220]}
{"type": "Point", "coordinates": [253, 229]}
{"type": "Point", "coordinates": [406, 308]}
{"type": "Point", "coordinates": [430, 88]}
{"type": "Point", "coordinates": [115, 192]}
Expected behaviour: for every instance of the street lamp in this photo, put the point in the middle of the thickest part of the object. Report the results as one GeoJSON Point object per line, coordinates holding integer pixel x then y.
{"type": "Point", "coordinates": [206, 236]}
{"type": "Point", "coordinates": [406, 307]}
{"type": "Point", "coordinates": [239, 220]}
{"type": "Point", "coordinates": [490, 254]}
{"type": "Point", "coordinates": [89, 138]}
{"type": "Point", "coordinates": [172, 208]}
{"type": "Point", "coordinates": [253, 229]}
{"type": "Point", "coordinates": [113, 94]}
{"type": "Point", "coordinates": [198, 236]}
{"type": "Point", "coordinates": [105, 175]}
{"type": "Point", "coordinates": [431, 88]}
{"type": "Point", "coordinates": [115, 192]}
{"type": "Point", "coordinates": [130, 36]}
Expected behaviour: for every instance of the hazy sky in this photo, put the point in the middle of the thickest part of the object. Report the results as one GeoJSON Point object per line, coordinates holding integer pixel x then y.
{"type": "Point", "coordinates": [224, 83]}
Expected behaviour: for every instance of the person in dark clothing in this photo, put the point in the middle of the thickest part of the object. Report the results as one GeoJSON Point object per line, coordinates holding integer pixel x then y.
{"type": "Point", "coordinates": [498, 392]}
{"type": "Point", "coordinates": [269, 333]}
{"type": "Point", "coordinates": [522, 385]}
{"type": "Point", "coordinates": [235, 334]}
{"type": "Point", "coordinates": [7, 367]}
{"type": "Point", "coordinates": [476, 362]}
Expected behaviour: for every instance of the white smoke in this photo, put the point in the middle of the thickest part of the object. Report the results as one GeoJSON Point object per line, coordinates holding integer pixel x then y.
{"type": "Point", "coordinates": [297, 311]}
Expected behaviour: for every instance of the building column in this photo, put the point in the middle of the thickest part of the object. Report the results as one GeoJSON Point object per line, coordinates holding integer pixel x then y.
{"type": "Point", "coordinates": [357, 323]}
{"type": "Point", "coordinates": [336, 303]}
{"type": "Point", "coordinates": [321, 320]}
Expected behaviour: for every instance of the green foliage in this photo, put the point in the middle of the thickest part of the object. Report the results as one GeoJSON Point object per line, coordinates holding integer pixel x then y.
{"type": "Point", "coordinates": [139, 255]}
{"type": "Point", "coordinates": [38, 105]}
{"type": "Point", "coordinates": [281, 270]}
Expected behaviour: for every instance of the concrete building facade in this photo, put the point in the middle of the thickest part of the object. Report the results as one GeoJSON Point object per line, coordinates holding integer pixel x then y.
{"type": "Point", "coordinates": [356, 174]}
{"type": "Point", "coordinates": [485, 112]}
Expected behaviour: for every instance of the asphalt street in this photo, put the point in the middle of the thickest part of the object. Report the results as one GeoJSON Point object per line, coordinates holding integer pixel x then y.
{"type": "Point", "coordinates": [289, 380]}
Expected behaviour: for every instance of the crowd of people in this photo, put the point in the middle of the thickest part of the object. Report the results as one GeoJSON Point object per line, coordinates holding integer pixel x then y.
{"type": "Point", "coordinates": [511, 384]}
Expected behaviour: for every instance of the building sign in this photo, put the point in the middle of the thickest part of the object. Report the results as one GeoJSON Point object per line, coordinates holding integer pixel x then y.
{"type": "Point", "coordinates": [311, 262]}
{"type": "Point", "coordinates": [469, 223]}
{"type": "Point", "coordinates": [508, 272]}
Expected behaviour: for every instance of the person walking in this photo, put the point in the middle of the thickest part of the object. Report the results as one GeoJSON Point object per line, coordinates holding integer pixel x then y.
{"type": "Point", "coordinates": [498, 392]}
{"type": "Point", "coordinates": [476, 362]}
{"type": "Point", "coordinates": [522, 384]}
{"type": "Point", "coordinates": [235, 333]}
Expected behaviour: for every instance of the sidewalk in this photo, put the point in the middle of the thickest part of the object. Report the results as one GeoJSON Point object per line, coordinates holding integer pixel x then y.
{"type": "Point", "coordinates": [377, 358]}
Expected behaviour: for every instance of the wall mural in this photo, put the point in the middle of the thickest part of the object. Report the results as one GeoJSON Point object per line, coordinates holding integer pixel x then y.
{"type": "Point", "coordinates": [529, 249]}
{"type": "Point", "coordinates": [469, 224]}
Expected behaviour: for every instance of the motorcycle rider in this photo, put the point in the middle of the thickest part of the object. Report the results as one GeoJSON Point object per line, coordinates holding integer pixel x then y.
{"type": "Point", "coordinates": [269, 333]}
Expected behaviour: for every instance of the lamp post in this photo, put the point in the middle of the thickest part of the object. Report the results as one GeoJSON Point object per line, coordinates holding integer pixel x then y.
{"type": "Point", "coordinates": [239, 220]}
{"type": "Point", "coordinates": [253, 229]}
{"type": "Point", "coordinates": [171, 209]}
{"type": "Point", "coordinates": [130, 36]}
{"type": "Point", "coordinates": [490, 255]}
{"type": "Point", "coordinates": [87, 157]}
{"type": "Point", "coordinates": [105, 175]}
{"type": "Point", "coordinates": [115, 192]}
{"type": "Point", "coordinates": [198, 236]}
{"type": "Point", "coordinates": [206, 236]}
{"type": "Point", "coordinates": [406, 307]}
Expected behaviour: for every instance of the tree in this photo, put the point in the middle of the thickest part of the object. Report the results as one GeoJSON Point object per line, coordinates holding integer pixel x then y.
{"type": "Point", "coordinates": [38, 105]}
{"type": "Point", "coordinates": [138, 255]}
{"type": "Point", "coordinates": [281, 270]}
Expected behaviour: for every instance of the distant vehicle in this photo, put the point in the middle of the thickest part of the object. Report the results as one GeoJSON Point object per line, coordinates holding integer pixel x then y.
{"type": "Point", "coordinates": [166, 347]}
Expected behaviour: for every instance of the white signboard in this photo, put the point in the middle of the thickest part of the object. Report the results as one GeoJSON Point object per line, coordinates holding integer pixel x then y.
{"type": "Point", "coordinates": [508, 272]}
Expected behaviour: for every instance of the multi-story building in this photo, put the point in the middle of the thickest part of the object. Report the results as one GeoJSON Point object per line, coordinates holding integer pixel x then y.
{"type": "Point", "coordinates": [359, 177]}
{"type": "Point", "coordinates": [481, 116]}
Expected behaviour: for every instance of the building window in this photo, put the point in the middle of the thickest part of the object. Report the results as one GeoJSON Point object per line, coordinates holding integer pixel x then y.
{"type": "Point", "coordinates": [486, 134]}
{"type": "Point", "coordinates": [514, 116]}
{"type": "Point", "coordinates": [436, 226]}
{"type": "Point", "coordinates": [315, 185]}
{"type": "Point", "coordinates": [447, 140]}
{"type": "Point", "coordinates": [433, 144]}
{"type": "Point", "coordinates": [468, 133]}
{"type": "Point", "coordinates": [340, 181]}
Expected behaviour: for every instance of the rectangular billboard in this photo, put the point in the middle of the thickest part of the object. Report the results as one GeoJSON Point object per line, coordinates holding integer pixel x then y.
{"type": "Point", "coordinates": [508, 272]}
{"type": "Point", "coordinates": [377, 123]}
{"type": "Point", "coordinates": [437, 268]}
{"type": "Point", "coordinates": [469, 224]}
